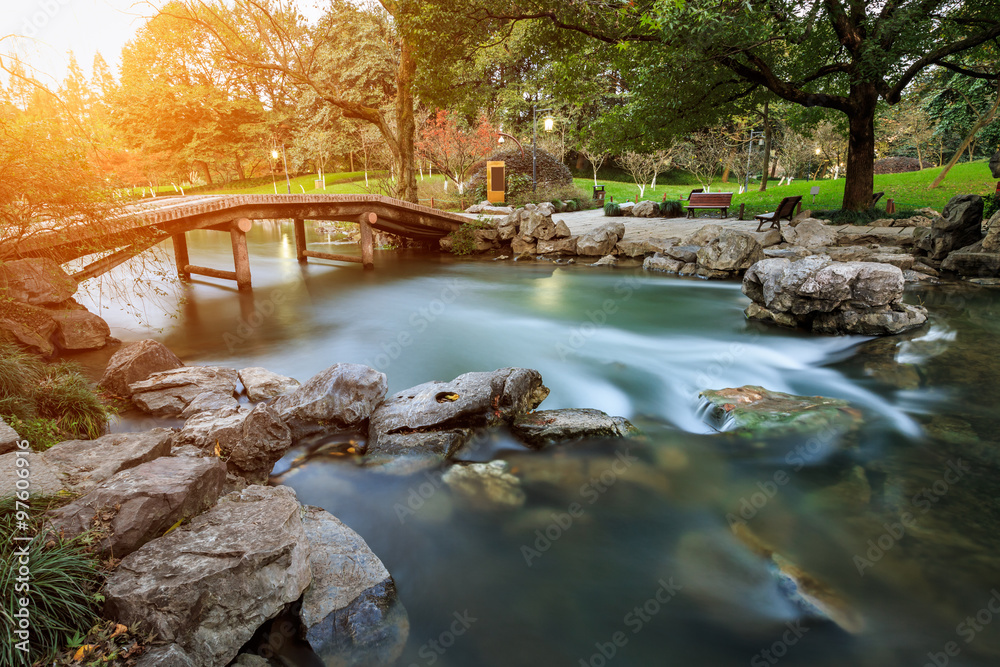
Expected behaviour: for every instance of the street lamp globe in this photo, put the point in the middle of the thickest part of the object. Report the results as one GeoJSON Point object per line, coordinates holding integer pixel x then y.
{"type": "Point", "coordinates": [274, 154]}
{"type": "Point", "coordinates": [550, 123]}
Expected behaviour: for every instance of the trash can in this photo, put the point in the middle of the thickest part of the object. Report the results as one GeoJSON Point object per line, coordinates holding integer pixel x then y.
{"type": "Point", "coordinates": [599, 194]}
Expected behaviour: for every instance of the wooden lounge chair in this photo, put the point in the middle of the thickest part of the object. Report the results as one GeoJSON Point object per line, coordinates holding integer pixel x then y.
{"type": "Point", "coordinates": [786, 209]}
{"type": "Point", "coordinates": [692, 192]}
{"type": "Point", "coordinates": [876, 197]}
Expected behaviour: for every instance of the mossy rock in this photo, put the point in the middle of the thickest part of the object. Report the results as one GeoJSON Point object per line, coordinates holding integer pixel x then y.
{"type": "Point", "coordinates": [754, 411]}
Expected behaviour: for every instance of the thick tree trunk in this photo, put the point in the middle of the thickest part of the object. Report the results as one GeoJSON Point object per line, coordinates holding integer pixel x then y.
{"type": "Point", "coordinates": [406, 125]}
{"type": "Point", "coordinates": [725, 175]}
{"type": "Point", "coordinates": [767, 150]}
{"type": "Point", "coordinates": [860, 182]}
{"type": "Point", "coordinates": [239, 169]}
{"type": "Point", "coordinates": [206, 171]}
{"type": "Point", "coordinates": [580, 161]}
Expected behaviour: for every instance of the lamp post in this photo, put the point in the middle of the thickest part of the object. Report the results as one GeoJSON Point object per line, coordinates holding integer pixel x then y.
{"type": "Point", "coordinates": [746, 178]}
{"type": "Point", "coordinates": [549, 123]}
{"type": "Point", "coordinates": [500, 141]}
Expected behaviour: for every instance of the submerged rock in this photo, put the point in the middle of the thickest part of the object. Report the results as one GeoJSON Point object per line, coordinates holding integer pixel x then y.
{"type": "Point", "coordinates": [341, 397]}
{"type": "Point", "coordinates": [470, 400]}
{"type": "Point", "coordinates": [485, 486]}
{"type": "Point", "coordinates": [139, 504]}
{"type": "Point", "coordinates": [185, 391]}
{"type": "Point", "coordinates": [547, 427]}
{"type": "Point", "coordinates": [660, 262]}
{"type": "Point", "coordinates": [757, 412]}
{"type": "Point", "coordinates": [136, 362]}
{"type": "Point", "coordinates": [350, 612]}
{"type": "Point", "coordinates": [209, 585]}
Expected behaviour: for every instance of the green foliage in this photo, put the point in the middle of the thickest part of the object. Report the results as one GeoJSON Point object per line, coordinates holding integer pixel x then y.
{"type": "Point", "coordinates": [991, 204]}
{"type": "Point", "coordinates": [65, 397]}
{"type": "Point", "coordinates": [464, 239]}
{"type": "Point", "coordinates": [64, 582]}
{"type": "Point", "coordinates": [612, 210]}
{"type": "Point", "coordinates": [671, 208]}
{"type": "Point", "coordinates": [48, 403]}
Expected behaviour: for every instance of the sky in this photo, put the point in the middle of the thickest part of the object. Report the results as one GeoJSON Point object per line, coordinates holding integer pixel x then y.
{"type": "Point", "coordinates": [46, 30]}
{"type": "Point", "coordinates": [42, 32]}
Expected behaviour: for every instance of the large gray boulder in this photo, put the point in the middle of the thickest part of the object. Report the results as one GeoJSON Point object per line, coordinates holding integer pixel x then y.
{"type": "Point", "coordinates": [602, 240]}
{"type": "Point", "coordinates": [38, 281]}
{"type": "Point", "coordinates": [547, 427]}
{"type": "Point", "coordinates": [209, 585]}
{"type": "Point", "coordinates": [8, 438]}
{"type": "Point", "coordinates": [995, 165]}
{"type": "Point", "coordinates": [646, 209]}
{"type": "Point", "coordinates": [183, 392]}
{"type": "Point", "coordinates": [960, 225]}
{"type": "Point", "coordinates": [341, 397]}
{"type": "Point", "coordinates": [250, 441]}
{"type": "Point", "coordinates": [136, 362]}
{"type": "Point", "coordinates": [262, 384]}
{"type": "Point", "coordinates": [139, 504]}
{"type": "Point", "coordinates": [660, 262]}
{"type": "Point", "coordinates": [470, 400]}
{"type": "Point", "coordinates": [349, 612]}
{"type": "Point", "coordinates": [991, 243]}
{"type": "Point", "coordinates": [89, 463]}
{"type": "Point", "coordinates": [731, 251]}
{"type": "Point", "coordinates": [80, 330]}
{"type": "Point", "coordinates": [557, 246]}
{"type": "Point", "coordinates": [864, 297]}
{"type": "Point", "coordinates": [809, 233]}
{"type": "Point", "coordinates": [485, 486]}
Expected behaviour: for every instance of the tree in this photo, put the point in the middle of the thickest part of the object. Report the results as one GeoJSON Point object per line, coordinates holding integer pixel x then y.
{"type": "Point", "coordinates": [454, 147]}
{"type": "Point", "coordinates": [596, 156]}
{"type": "Point", "coordinates": [343, 59]}
{"type": "Point", "coordinates": [641, 166]}
{"type": "Point", "coordinates": [843, 55]}
{"type": "Point", "coordinates": [704, 154]}
{"type": "Point", "coordinates": [983, 118]}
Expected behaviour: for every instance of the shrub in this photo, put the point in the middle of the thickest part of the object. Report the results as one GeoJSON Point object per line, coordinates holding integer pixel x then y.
{"type": "Point", "coordinates": [42, 433]}
{"type": "Point", "coordinates": [463, 240]}
{"type": "Point", "coordinates": [64, 582]}
{"type": "Point", "coordinates": [671, 208]}
{"type": "Point", "coordinates": [991, 204]}
{"type": "Point", "coordinates": [20, 372]}
{"type": "Point", "coordinates": [897, 165]}
{"type": "Point", "coordinates": [65, 397]}
{"type": "Point", "coordinates": [612, 209]}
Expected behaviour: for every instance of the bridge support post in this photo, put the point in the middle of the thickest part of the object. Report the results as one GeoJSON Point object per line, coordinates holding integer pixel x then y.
{"type": "Point", "coordinates": [181, 254]}
{"type": "Point", "coordinates": [300, 241]}
{"type": "Point", "coordinates": [368, 240]}
{"type": "Point", "coordinates": [241, 256]}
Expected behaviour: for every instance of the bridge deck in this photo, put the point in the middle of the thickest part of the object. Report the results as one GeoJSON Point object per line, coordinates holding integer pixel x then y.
{"type": "Point", "coordinates": [158, 219]}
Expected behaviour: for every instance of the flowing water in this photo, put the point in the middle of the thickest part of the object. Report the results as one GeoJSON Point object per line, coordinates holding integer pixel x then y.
{"type": "Point", "coordinates": [623, 553]}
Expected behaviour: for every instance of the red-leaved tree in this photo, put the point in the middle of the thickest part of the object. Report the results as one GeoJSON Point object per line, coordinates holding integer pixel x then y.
{"type": "Point", "coordinates": [453, 146]}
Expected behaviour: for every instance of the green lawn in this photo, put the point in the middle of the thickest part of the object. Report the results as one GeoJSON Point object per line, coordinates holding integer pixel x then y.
{"type": "Point", "coordinates": [909, 190]}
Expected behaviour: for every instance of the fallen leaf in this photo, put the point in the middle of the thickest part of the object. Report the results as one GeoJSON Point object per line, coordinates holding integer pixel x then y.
{"type": "Point", "coordinates": [83, 652]}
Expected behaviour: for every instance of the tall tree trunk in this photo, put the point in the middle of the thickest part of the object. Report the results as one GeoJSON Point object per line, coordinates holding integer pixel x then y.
{"type": "Point", "coordinates": [767, 150]}
{"type": "Point", "coordinates": [860, 182]}
{"type": "Point", "coordinates": [406, 125]}
{"type": "Point", "coordinates": [205, 170]}
{"type": "Point", "coordinates": [774, 167]}
{"type": "Point", "coordinates": [579, 161]}
{"type": "Point", "coordinates": [239, 168]}
{"type": "Point", "coordinates": [725, 175]}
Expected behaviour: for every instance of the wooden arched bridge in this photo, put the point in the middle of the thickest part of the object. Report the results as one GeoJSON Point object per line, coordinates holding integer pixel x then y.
{"type": "Point", "coordinates": [142, 225]}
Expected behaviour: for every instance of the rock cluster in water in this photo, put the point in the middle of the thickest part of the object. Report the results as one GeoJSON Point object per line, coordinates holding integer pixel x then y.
{"type": "Point", "coordinates": [209, 478]}
{"type": "Point", "coordinates": [824, 296]}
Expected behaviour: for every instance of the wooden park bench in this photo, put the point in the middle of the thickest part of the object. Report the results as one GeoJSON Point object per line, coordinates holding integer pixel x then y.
{"type": "Point", "coordinates": [786, 209]}
{"type": "Point", "coordinates": [700, 200]}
